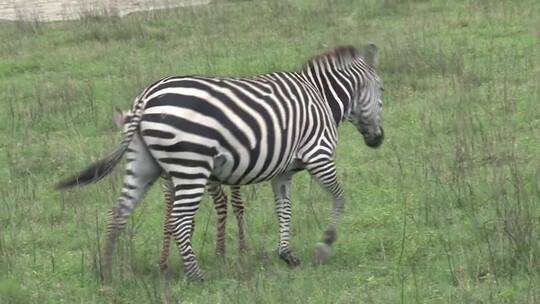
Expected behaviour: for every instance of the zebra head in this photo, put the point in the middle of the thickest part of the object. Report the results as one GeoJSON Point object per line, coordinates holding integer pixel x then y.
{"type": "Point", "coordinates": [366, 103]}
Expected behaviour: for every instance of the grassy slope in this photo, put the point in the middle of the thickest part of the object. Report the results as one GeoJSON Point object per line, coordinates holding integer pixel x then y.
{"type": "Point", "coordinates": [446, 212]}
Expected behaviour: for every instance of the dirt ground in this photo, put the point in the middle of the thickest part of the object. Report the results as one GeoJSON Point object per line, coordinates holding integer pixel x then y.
{"type": "Point", "coordinates": [55, 10]}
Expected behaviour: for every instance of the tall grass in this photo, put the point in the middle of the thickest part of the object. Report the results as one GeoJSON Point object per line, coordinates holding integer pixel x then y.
{"type": "Point", "coordinates": [445, 212]}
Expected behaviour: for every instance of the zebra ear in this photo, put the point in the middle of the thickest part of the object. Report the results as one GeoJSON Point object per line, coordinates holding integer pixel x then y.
{"type": "Point", "coordinates": [371, 55]}
{"type": "Point", "coordinates": [118, 118]}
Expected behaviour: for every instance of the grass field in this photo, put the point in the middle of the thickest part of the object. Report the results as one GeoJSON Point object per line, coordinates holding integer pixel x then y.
{"type": "Point", "coordinates": [447, 211]}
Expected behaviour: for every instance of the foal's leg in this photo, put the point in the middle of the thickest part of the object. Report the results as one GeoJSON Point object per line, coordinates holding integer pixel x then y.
{"type": "Point", "coordinates": [238, 207]}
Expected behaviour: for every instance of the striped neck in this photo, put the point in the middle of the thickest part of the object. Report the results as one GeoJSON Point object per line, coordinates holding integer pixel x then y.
{"type": "Point", "coordinates": [331, 73]}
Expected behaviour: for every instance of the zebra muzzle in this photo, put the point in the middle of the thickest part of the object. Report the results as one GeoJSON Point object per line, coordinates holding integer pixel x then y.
{"type": "Point", "coordinates": [375, 140]}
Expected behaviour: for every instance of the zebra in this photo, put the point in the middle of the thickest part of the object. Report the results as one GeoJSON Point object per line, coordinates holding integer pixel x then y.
{"type": "Point", "coordinates": [240, 131]}
{"type": "Point", "coordinates": [220, 204]}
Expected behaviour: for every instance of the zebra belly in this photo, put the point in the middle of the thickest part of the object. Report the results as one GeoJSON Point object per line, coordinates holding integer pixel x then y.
{"type": "Point", "coordinates": [223, 176]}
{"type": "Point", "coordinates": [223, 172]}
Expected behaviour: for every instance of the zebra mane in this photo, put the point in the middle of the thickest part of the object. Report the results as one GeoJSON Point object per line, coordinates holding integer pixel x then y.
{"type": "Point", "coordinates": [338, 57]}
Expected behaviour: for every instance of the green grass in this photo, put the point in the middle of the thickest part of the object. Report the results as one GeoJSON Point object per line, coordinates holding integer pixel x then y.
{"type": "Point", "coordinates": [447, 211]}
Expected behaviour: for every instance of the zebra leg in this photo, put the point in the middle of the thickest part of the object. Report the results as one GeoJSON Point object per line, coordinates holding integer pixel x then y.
{"type": "Point", "coordinates": [141, 172]}
{"type": "Point", "coordinates": [238, 206]}
{"type": "Point", "coordinates": [325, 172]}
{"type": "Point", "coordinates": [168, 193]}
{"type": "Point", "coordinates": [220, 204]}
{"type": "Point", "coordinates": [281, 188]}
{"type": "Point", "coordinates": [187, 198]}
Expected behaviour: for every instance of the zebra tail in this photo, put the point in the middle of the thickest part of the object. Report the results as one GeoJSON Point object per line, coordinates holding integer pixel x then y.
{"type": "Point", "coordinates": [103, 167]}
{"type": "Point", "coordinates": [94, 172]}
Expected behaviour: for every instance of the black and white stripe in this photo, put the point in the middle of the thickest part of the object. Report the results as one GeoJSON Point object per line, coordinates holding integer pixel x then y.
{"type": "Point", "coordinates": [220, 199]}
{"type": "Point", "coordinates": [241, 131]}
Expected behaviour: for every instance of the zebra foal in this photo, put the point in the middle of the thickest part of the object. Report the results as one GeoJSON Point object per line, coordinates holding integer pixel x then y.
{"type": "Point", "coordinates": [239, 131]}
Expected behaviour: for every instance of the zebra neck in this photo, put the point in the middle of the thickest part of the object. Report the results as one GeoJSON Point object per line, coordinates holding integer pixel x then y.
{"type": "Point", "coordinates": [335, 92]}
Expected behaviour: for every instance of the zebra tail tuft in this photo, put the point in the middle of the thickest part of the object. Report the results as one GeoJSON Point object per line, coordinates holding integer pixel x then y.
{"type": "Point", "coordinates": [94, 172]}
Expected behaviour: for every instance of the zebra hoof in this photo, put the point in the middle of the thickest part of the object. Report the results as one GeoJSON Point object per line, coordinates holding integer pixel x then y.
{"type": "Point", "coordinates": [322, 253]}
{"type": "Point", "coordinates": [163, 266]}
{"type": "Point", "coordinates": [290, 259]}
{"type": "Point", "coordinates": [106, 279]}
{"type": "Point", "coordinates": [195, 276]}
{"type": "Point", "coordinates": [220, 248]}
{"type": "Point", "coordinates": [243, 249]}
{"type": "Point", "coordinates": [105, 274]}
{"type": "Point", "coordinates": [196, 279]}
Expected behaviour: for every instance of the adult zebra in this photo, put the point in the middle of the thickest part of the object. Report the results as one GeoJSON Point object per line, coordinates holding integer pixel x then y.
{"type": "Point", "coordinates": [240, 131]}
{"type": "Point", "coordinates": [216, 191]}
